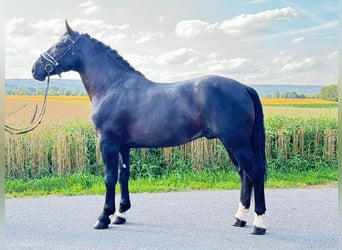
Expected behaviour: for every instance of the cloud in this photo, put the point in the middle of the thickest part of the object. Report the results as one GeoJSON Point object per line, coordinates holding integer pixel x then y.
{"type": "Point", "coordinates": [86, 4]}
{"type": "Point", "coordinates": [191, 28]}
{"type": "Point", "coordinates": [256, 2]}
{"type": "Point", "coordinates": [243, 47]}
{"type": "Point", "coordinates": [49, 27]}
{"type": "Point", "coordinates": [297, 40]}
{"type": "Point", "coordinates": [15, 26]}
{"type": "Point", "coordinates": [89, 8]}
{"type": "Point", "coordinates": [244, 23]}
{"type": "Point", "coordinates": [229, 66]}
{"type": "Point", "coordinates": [299, 65]}
{"type": "Point", "coordinates": [164, 75]}
{"type": "Point", "coordinates": [179, 56]}
{"type": "Point", "coordinates": [161, 19]}
{"type": "Point", "coordinates": [333, 56]}
{"type": "Point", "coordinates": [149, 36]}
{"type": "Point", "coordinates": [122, 26]}
{"type": "Point", "coordinates": [113, 38]}
{"type": "Point", "coordinates": [262, 20]}
{"type": "Point", "coordinates": [138, 60]}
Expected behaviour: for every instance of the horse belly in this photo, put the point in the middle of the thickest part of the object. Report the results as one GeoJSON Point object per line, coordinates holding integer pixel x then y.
{"type": "Point", "coordinates": [161, 136]}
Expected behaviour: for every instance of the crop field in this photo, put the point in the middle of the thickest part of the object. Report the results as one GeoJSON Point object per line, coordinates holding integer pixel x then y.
{"type": "Point", "coordinates": [63, 109]}
{"type": "Point", "coordinates": [60, 109]}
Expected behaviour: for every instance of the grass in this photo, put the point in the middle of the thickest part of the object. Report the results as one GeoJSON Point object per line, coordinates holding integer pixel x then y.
{"type": "Point", "coordinates": [296, 101]}
{"type": "Point", "coordinates": [302, 112]}
{"type": "Point", "coordinates": [316, 106]}
{"type": "Point", "coordinates": [86, 184]}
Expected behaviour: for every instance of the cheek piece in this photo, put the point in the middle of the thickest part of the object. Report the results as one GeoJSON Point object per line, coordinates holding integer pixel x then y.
{"type": "Point", "coordinates": [51, 63]}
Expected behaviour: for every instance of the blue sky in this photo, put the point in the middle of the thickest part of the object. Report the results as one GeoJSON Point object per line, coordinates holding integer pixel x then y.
{"type": "Point", "coordinates": [253, 41]}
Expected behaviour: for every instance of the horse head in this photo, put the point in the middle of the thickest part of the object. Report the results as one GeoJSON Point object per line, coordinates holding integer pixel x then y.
{"type": "Point", "coordinates": [59, 58]}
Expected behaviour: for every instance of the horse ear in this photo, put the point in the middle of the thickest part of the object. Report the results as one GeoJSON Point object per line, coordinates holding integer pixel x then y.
{"type": "Point", "coordinates": [69, 30]}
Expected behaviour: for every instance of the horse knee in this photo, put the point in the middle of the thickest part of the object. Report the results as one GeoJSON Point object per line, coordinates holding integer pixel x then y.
{"type": "Point", "coordinates": [110, 180]}
{"type": "Point", "coordinates": [124, 177]}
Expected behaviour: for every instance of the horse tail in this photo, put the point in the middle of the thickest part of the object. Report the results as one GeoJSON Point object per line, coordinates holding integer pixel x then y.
{"type": "Point", "coordinates": [258, 133]}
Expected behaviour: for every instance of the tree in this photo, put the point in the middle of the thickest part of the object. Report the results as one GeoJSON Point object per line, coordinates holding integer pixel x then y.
{"type": "Point", "coordinates": [329, 93]}
{"type": "Point", "coordinates": [292, 94]}
{"type": "Point", "coordinates": [276, 94]}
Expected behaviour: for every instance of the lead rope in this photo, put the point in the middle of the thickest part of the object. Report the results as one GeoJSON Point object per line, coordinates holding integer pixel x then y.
{"type": "Point", "coordinates": [35, 121]}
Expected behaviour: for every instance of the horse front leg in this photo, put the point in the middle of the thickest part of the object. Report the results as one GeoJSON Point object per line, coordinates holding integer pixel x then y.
{"type": "Point", "coordinates": [110, 155]}
{"type": "Point", "coordinates": [124, 173]}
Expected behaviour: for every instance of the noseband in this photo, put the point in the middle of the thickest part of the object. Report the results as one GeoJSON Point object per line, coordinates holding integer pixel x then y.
{"type": "Point", "coordinates": [53, 62]}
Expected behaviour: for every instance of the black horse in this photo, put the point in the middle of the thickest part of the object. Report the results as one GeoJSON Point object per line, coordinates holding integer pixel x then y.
{"type": "Point", "coordinates": [130, 111]}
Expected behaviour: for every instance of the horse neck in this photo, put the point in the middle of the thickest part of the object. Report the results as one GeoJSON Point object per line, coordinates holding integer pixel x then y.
{"type": "Point", "coordinates": [99, 73]}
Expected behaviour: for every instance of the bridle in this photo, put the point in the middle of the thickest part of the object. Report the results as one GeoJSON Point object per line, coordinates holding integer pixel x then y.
{"type": "Point", "coordinates": [51, 64]}
{"type": "Point", "coordinates": [34, 121]}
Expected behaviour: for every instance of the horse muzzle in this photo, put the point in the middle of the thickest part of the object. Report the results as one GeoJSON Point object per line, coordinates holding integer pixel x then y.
{"type": "Point", "coordinates": [38, 72]}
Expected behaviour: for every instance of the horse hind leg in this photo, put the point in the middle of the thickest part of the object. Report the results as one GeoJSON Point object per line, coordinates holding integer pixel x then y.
{"type": "Point", "coordinates": [245, 195]}
{"type": "Point", "coordinates": [259, 227]}
{"type": "Point", "coordinates": [244, 159]}
{"type": "Point", "coordinates": [245, 200]}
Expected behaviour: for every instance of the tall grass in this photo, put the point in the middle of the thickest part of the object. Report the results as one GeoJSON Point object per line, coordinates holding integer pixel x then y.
{"type": "Point", "coordinates": [291, 144]}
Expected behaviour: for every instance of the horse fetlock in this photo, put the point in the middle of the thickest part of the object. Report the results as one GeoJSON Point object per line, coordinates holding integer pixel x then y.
{"type": "Point", "coordinates": [124, 206]}
{"type": "Point", "coordinates": [102, 222]}
{"type": "Point", "coordinates": [119, 218]}
{"type": "Point", "coordinates": [241, 216]}
{"type": "Point", "coordinates": [259, 227]}
{"type": "Point", "coordinates": [242, 212]}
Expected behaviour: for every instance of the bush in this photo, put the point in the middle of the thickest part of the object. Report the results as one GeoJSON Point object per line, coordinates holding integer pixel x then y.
{"type": "Point", "coordinates": [329, 93]}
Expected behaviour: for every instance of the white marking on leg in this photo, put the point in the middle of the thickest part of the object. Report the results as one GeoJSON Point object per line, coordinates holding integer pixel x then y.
{"type": "Point", "coordinates": [259, 221]}
{"type": "Point", "coordinates": [120, 215]}
{"type": "Point", "coordinates": [124, 165]}
{"type": "Point", "coordinates": [242, 212]}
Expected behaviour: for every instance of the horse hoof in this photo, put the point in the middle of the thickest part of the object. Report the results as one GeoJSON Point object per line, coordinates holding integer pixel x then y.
{"type": "Point", "coordinates": [239, 223]}
{"type": "Point", "coordinates": [119, 220]}
{"type": "Point", "coordinates": [258, 231]}
{"type": "Point", "coordinates": [101, 224]}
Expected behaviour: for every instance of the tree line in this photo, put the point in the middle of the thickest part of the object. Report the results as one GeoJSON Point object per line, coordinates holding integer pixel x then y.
{"type": "Point", "coordinates": [329, 93]}
{"type": "Point", "coordinates": [51, 92]}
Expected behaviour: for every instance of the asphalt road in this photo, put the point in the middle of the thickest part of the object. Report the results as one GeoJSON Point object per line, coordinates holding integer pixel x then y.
{"type": "Point", "coordinates": [297, 219]}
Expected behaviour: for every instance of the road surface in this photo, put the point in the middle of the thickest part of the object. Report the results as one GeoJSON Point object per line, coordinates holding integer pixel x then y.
{"type": "Point", "coordinates": [297, 219]}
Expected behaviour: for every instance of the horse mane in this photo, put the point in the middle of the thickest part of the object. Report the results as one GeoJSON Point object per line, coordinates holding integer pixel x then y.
{"type": "Point", "coordinates": [117, 59]}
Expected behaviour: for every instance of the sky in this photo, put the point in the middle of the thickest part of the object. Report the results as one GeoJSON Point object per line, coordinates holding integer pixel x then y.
{"type": "Point", "coordinates": [252, 41]}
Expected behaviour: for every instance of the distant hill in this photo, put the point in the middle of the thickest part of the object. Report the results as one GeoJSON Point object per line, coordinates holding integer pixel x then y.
{"type": "Point", "coordinates": [75, 87]}
{"type": "Point", "coordinates": [33, 87]}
